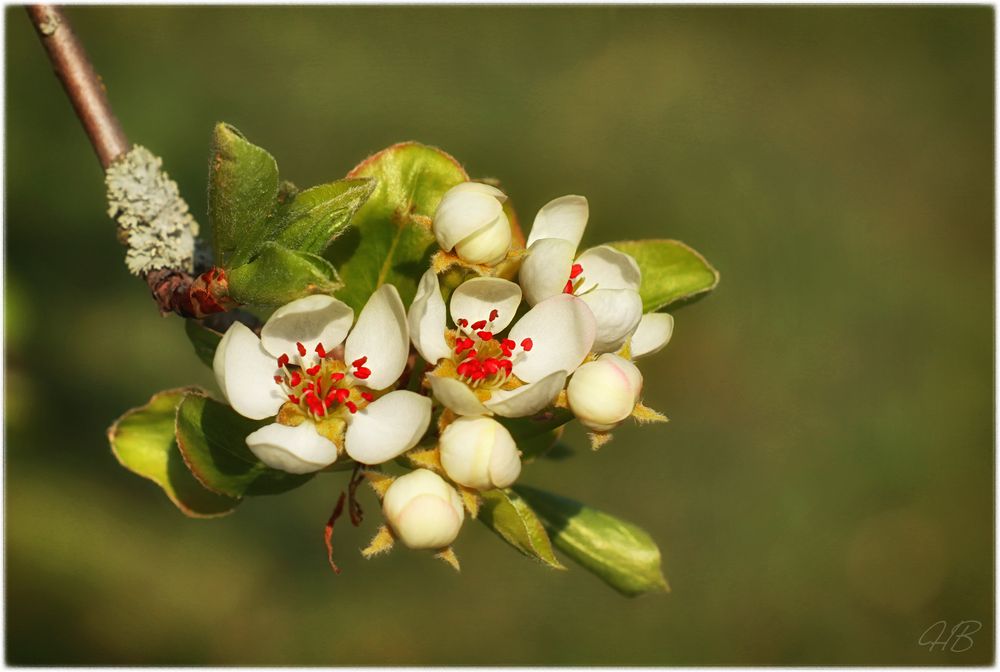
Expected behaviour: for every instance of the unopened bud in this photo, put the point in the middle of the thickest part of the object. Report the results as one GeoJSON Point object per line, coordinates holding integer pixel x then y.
{"type": "Point", "coordinates": [423, 510]}
{"type": "Point", "coordinates": [470, 219]}
{"type": "Point", "coordinates": [480, 453]}
{"type": "Point", "coordinates": [603, 393]}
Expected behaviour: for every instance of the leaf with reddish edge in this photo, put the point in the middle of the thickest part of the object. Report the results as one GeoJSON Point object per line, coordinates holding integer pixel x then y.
{"type": "Point", "coordinates": [143, 442]}
{"type": "Point", "coordinates": [673, 274]}
{"type": "Point", "coordinates": [212, 439]}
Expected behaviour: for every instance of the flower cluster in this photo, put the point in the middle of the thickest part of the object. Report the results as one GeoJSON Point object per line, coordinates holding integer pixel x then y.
{"type": "Point", "coordinates": [564, 336]}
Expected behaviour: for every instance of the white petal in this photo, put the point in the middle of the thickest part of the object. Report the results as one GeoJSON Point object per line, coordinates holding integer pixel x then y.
{"type": "Point", "coordinates": [297, 450]}
{"type": "Point", "coordinates": [245, 373]}
{"type": "Point", "coordinates": [479, 188]}
{"type": "Point", "coordinates": [475, 299]}
{"type": "Point", "coordinates": [456, 395]}
{"type": "Point", "coordinates": [564, 217]}
{"type": "Point", "coordinates": [562, 332]}
{"type": "Point", "coordinates": [428, 319]}
{"type": "Point", "coordinates": [527, 399]}
{"type": "Point", "coordinates": [463, 211]}
{"type": "Point", "coordinates": [545, 269]}
{"type": "Point", "coordinates": [654, 332]}
{"type": "Point", "coordinates": [617, 313]}
{"type": "Point", "coordinates": [382, 335]}
{"type": "Point", "coordinates": [487, 245]}
{"type": "Point", "coordinates": [607, 268]}
{"type": "Point", "coordinates": [387, 427]}
{"type": "Point", "coordinates": [309, 320]}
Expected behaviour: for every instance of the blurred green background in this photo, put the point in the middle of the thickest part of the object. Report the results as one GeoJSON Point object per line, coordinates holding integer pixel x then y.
{"type": "Point", "coordinates": [824, 492]}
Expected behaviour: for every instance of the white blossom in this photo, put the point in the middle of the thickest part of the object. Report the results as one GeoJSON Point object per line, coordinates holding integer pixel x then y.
{"type": "Point", "coordinates": [480, 453]}
{"type": "Point", "coordinates": [602, 393]}
{"type": "Point", "coordinates": [423, 510]}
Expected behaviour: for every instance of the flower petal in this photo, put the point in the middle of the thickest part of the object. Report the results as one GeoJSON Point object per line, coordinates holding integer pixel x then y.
{"type": "Point", "coordinates": [564, 217]}
{"type": "Point", "coordinates": [382, 335]}
{"type": "Point", "coordinates": [456, 395]}
{"type": "Point", "coordinates": [654, 332]}
{"type": "Point", "coordinates": [428, 319]}
{"type": "Point", "coordinates": [562, 332]}
{"type": "Point", "coordinates": [527, 399]}
{"type": "Point", "coordinates": [464, 210]}
{"type": "Point", "coordinates": [309, 320]}
{"type": "Point", "coordinates": [475, 299]}
{"type": "Point", "coordinates": [387, 427]}
{"type": "Point", "coordinates": [545, 270]}
{"type": "Point", "coordinates": [617, 313]}
{"type": "Point", "coordinates": [245, 373]}
{"type": "Point", "coordinates": [297, 450]}
{"type": "Point", "coordinates": [605, 267]}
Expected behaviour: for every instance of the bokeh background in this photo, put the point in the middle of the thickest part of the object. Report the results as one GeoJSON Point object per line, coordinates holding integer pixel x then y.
{"type": "Point", "coordinates": [824, 492]}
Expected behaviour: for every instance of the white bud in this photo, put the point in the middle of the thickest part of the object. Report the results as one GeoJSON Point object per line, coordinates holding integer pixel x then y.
{"type": "Point", "coordinates": [480, 453]}
{"type": "Point", "coordinates": [423, 510]}
{"type": "Point", "coordinates": [470, 220]}
{"type": "Point", "coordinates": [603, 393]}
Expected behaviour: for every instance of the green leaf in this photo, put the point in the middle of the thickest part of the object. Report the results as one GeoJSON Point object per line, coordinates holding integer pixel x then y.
{"type": "Point", "coordinates": [391, 240]}
{"type": "Point", "coordinates": [315, 217]}
{"type": "Point", "coordinates": [143, 441]}
{"type": "Point", "coordinates": [619, 553]}
{"type": "Point", "coordinates": [204, 340]}
{"type": "Point", "coordinates": [279, 275]}
{"type": "Point", "coordinates": [672, 273]}
{"type": "Point", "coordinates": [504, 512]}
{"type": "Point", "coordinates": [242, 195]}
{"type": "Point", "coordinates": [536, 435]}
{"type": "Point", "coordinates": [211, 437]}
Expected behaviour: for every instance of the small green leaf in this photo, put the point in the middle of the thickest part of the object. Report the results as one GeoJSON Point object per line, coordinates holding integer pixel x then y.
{"type": "Point", "coordinates": [279, 275]}
{"type": "Point", "coordinates": [143, 441]}
{"type": "Point", "coordinates": [315, 217]}
{"type": "Point", "coordinates": [504, 512]}
{"type": "Point", "coordinates": [391, 240]}
{"type": "Point", "coordinates": [619, 553]}
{"type": "Point", "coordinates": [672, 273]}
{"type": "Point", "coordinates": [536, 435]}
{"type": "Point", "coordinates": [242, 195]}
{"type": "Point", "coordinates": [204, 340]}
{"type": "Point", "coordinates": [211, 437]}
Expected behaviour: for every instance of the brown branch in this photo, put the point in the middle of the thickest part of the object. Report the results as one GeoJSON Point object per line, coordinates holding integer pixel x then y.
{"type": "Point", "coordinates": [83, 86]}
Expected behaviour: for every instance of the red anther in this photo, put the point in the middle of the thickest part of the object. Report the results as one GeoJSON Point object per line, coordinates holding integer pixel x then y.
{"type": "Point", "coordinates": [336, 377]}
{"type": "Point", "coordinates": [476, 326]}
{"type": "Point", "coordinates": [331, 397]}
{"type": "Point", "coordinates": [462, 322]}
{"type": "Point", "coordinates": [362, 373]}
{"type": "Point", "coordinates": [296, 379]}
{"type": "Point", "coordinates": [574, 271]}
{"type": "Point", "coordinates": [368, 396]}
{"type": "Point", "coordinates": [282, 361]}
{"type": "Point", "coordinates": [491, 366]}
{"type": "Point", "coordinates": [320, 350]}
{"type": "Point", "coordinates": [478, 374]}
{"type": "Point", "coordinates": [485, 335]}
{"type": "Point", "coordinates": [314, 404]}
{"type": "Point", "coordinates": [508, 344]}
{"type": "Point", "coordinates": [471, 354]}
{"type": "Point", "coordinates": [527, 344]}
{"type": "Point", "coordinates": [359, 362]}
{"type": "Point", "coordinates": [313, 370]}
{"type": "Point", "coordinates": [292, 398]}
{"type": "Point", "coordinates": [309, 386]}
{"type": "Point", "coordinates": [302, 349]}
{"type": "Point", "coordinates": [568, 289]}
{"type": "Point", "coordinates": [494, 314]}
{"type": "Point", "coordinates": [506, 365]}
{"type": "Point", "coordinates": [463, 344]}
{"type": "Point", "coordinates": [342, 394]}
{"type": "Point", "coordinates": [352, 407]}
{"type": "Point", "coordinates": [279, 380]}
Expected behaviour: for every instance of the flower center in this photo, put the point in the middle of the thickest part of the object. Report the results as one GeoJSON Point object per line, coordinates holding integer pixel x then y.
{"type": "Point", "coordinates": [482, 359]}
{"type": "Point", "coordinates": [322, 384]}
{"type": "Point", "coordinates": [575, 279]}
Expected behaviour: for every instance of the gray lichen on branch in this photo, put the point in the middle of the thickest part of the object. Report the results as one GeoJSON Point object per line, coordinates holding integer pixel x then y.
{"type": "Point", "coordinates": [153, 220]}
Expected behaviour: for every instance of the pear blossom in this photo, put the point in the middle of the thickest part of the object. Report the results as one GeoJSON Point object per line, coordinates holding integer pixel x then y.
{"type": "Point", "coordinates": [470, 219]}
{"type": "Point", "coordinates": [480, 453]}
{"type": "Point", "coordinates": [482, 372]}
{"type": "Point", "coordinates": [423, 510]}
{"type": "Point", "coordinates": [328, 395]}
{"type": "Point", "coordinates": [603, 277]}
{"type": "Point", "coordinates": [603, 392]}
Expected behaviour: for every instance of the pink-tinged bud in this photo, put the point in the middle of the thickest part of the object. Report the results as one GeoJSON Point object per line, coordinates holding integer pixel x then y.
{"type": "Point", "coordinates": [423, 510]}
{"type": "Point", "coordinates": [603, 393]}
{"type": "Point", "coordinates": [480, 453]}
{"type": "Point", "coordinates": [470, 220]}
